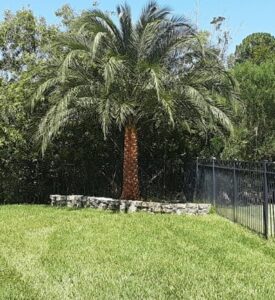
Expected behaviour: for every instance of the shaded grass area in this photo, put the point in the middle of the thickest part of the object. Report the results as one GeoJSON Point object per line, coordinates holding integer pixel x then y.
{"type": "Point", "coordinates": [50, 253]}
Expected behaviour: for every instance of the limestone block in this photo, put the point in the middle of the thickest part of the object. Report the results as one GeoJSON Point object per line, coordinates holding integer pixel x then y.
{"type": "Point", "coordinates": [74, 201]}
{"type": "Point", "coordinates": [59, 200]}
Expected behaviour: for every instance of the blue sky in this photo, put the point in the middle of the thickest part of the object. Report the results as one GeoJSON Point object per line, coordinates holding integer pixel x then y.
{"type": "Point", "coordinates": [242, 16]}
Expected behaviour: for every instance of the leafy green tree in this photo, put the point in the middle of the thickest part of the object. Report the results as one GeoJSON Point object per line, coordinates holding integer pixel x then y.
{"type": "Point", "coordinates": [254, 136]}
{"type": "Point", "coordinates": [24, 54]}
{"type": "Point", "coordinates": [127, 74]}
{"type": "Point", "coordinates": [254, 130]}
{"type": "Point", "coordinates": [24, 42]}
{"type": "Point", "coordinates": [257, 48]}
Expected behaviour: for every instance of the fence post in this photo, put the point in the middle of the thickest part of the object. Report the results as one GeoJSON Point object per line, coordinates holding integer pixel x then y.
{"type": "Point", "coordinates": [195, 193]}
{"type": "Point", "coordinates": [197, 168]}
{"type": "Point", "coordinates": [265, 206]}
{"type": "Point", "coordinates": [235, 191]}
{"type": "Point", "coordinates": [214, 180]}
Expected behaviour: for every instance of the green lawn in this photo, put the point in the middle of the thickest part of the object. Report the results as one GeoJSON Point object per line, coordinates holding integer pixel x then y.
{"type": "Point", "coordinates": [50, 253]}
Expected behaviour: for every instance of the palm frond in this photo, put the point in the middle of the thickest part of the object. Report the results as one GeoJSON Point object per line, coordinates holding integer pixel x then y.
{"type": "Point", "coordinates": [196, 99]}
{"type": "Point", "coordinates": [104, 112]}
{"type": "Point", "coordinates": [157, 76]}
{"type": "Point", "coordinates": [50, 125]}
{"type": "Point", "coordinates": [219, 117]}
{"type": "Point", "coordinates": [162, 37]}
{"type": "Point", "coordinates": [112, 68]}
{"type": "Point", "coordinates": [97, 42]}
{"type": "Point", "coordinates": [96, 21]}
{"type": "Point", "coordinates": [74, 41]}
{"type": "Point", "coordinates": [152, 12]}
{"type": "Point", "coordinates": [123, 112]}
{"type": "Point", "coordinates": [207, 107]}
{"type": "Point", "coordinates": [57, 116]}
{"type": "Point", "coordinates": [69, 59]}
{"type": "Point", "coordinates": [125, 19]}
{"type": "Point", "coordinates": [44, 88]}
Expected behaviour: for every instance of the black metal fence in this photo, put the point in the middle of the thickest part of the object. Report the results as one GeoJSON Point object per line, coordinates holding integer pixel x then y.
{"type": "Point", "coordinates": [243, 192]}
{"type": "Point", "coordinates": [160, 180]}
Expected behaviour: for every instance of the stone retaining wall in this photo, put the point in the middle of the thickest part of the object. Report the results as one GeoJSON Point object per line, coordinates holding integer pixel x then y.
{"type": "Point", "coordinates": [129, 206]}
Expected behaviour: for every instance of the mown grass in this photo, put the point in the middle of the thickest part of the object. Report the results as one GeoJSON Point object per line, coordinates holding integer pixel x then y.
{"type": "Point", "coordinates": [50, 253]}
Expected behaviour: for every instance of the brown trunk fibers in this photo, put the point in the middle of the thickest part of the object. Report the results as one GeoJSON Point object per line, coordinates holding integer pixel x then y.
{"type": "Point", "coordinates": [130, 187]}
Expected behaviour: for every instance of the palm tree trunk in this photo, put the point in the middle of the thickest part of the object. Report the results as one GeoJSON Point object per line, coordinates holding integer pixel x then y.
{"type": "Point", "coordinates": [130, 188]}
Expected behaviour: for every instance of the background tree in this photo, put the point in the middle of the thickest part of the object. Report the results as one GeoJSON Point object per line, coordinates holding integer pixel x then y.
{"type": "Point", "coordinates": [24, 54]}
{"type": "Point", "coordinates": [256, 47]}
{"type": "Point", "coordinates": [254, 131]}
{"type": "Point", "coordinates": [254, 136]}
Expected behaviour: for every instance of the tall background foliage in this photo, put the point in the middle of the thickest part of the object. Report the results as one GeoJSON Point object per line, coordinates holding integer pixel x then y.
{"type": "Point", "coordinates": [254, 69]}
{"type": "Point", "coordinates": [80, 160]}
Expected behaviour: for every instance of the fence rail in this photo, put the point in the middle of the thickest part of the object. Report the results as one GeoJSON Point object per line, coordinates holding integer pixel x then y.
{"type": "Point", "coordinates": [243, 192]}
{"type": "Point", "coordinates": [169, 179]}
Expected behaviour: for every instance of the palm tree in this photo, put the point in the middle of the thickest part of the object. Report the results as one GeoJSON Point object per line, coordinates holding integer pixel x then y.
{"type": "Point", "coordinates": [158, 68]}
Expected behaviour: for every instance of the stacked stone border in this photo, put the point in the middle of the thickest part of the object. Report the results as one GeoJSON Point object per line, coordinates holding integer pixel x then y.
{"type": "Point", "coordinates": [129, 206]}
